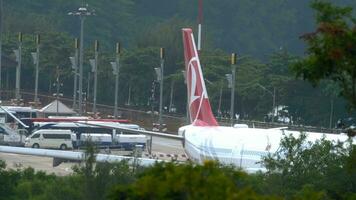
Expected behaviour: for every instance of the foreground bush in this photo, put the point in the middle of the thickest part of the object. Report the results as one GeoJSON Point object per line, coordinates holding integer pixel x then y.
{"type": "Point", "coordinates": [298, 170]}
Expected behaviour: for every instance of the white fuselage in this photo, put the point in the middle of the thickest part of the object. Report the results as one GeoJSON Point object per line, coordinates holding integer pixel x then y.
{"type": "Point", "coordinates": [242, 147]}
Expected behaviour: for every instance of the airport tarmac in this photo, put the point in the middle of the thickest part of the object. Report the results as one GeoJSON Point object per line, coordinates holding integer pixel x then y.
{"type": "Point", "coordinates": [164, 149]}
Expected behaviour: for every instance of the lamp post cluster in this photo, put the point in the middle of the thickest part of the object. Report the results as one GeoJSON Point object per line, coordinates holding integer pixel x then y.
{"type": "Point", "coordinates": [77, 66]}
{"type": "Point", "coordinates": [36, 61]}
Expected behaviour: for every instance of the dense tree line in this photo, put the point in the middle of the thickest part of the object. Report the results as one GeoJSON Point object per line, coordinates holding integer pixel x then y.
{"type": "Point", "coordinates": [265, 39]}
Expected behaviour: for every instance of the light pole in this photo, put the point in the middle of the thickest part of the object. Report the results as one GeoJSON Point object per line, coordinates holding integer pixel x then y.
{"type": "Point", "coordinates": [36, 61]}
{"type": "Point", "coordinates": [18, 68]}
{"type": "Point", "coordinates": [161, 87]}
{"type": "Point", "coordinates": [82, 13]}
{"type": "Point", "coordinates": [58, 84]}
{"type": "Point", "coordinates": [94, 69]}
{"type": "Point", "coordinates": [187, 103]}
{"type": "Point", "coordinates": [116, 71]}
{"type": "Point", "coordinates": [1, 11]}
{"type": "Point", "coordinates": [220, 97]}
{"type": "Point", "coordinates": [231, 84]}
{"type": "Point", "coordinates": [74, 62]}
{"type": "Point", "coordinates": [171, 97]}
{"type": "Point", "coordinates": [273, 96]}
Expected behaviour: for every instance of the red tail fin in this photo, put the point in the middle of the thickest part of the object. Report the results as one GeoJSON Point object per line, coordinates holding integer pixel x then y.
{"type": "Point", "coordinates": [199, 106]}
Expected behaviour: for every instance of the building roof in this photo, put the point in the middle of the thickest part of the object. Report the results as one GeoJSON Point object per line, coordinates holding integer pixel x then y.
{"type": "Point", "coordinates": [56, 107]}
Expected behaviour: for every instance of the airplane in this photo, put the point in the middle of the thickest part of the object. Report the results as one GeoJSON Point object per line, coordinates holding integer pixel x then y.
{"type": "Point", "coordinates": [204, 139]}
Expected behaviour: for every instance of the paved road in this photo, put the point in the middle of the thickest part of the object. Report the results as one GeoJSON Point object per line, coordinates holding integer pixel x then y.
{"type": "Point", "coordinates": [15, 161]}
{"type": "Point", "coordinates": [162, 148]}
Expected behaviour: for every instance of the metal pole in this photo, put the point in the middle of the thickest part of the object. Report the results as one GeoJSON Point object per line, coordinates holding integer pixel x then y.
{"type": "Point", "coordinates": [1, 45]}
{"type": "Point", "coordinates": [200, 21]}
{"type": "Point", "coordinates": [233, 66]}
{"type": "Point", "coordinates": [161, 90]}
{"type": "Point", "coordinates": [273, 99]}
{"type": "Point", "coordinates": [57, 90]}
{"type": "Point", "coordinates": [18, 69]}
{"type": "Point", "coordinates": [171, 96]}
{"type": "Point", "coordinates": [129, 98]}
{"type": "Point", "coordinates": [116, 95]}
{"type": "Point", "coordinates": [331, 112]}
{"type": "Point", "coordinates": [219, 107]}
{"type": "Point", "coordinates": [187, 102]}
{"type": "Point", "coordinates": [37, 67]}
{"type": "Point", "coordinates": [274, 103]}
{"type": "Point", "coordinates": [118, 51]}
{"type": "Point", "coordinates": [88, 90]}
{"type": "Point", "coordinates": [95, 75]}
{"type": "Point", "coordinates": [81, 64]}
{"type": "Point", "coordinates": [75, 74]}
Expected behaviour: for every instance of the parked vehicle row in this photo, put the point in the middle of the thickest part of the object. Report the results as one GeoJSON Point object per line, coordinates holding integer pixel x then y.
{"type": "Point", "coordinates": [68, 135]}
{"type": "Point", "coordinates": [68, 139]}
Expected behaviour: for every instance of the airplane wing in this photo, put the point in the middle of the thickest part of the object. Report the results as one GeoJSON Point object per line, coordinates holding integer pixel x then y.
{"type": "Point", "coordinates": [122, 127]}
{"type": "Point", "coordinates": [60, 156]}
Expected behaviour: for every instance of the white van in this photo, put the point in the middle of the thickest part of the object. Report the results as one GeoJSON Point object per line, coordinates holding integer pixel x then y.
{"type": "Point", "coordinates": [47, 138]}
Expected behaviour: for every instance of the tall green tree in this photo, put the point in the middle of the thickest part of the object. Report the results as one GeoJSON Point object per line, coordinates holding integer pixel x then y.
{"type": "Point", "coordinates": [331, 50]}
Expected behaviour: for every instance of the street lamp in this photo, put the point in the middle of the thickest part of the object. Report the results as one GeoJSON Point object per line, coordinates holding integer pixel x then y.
{"type": "Point", "coordinates": [36, 61]}
{"type": "Point", "coordinates": [94, 69]}
{"type": "Point", "coordinates": [231, 84]}
{"type": "Point", "coordinates": [1, 26]}
{"type": "Point", "coordinates": [159, 72]}
{"type": "Point", "coordinates": [58, 84]}
{"type": "Point", "coordinates": [273, 96]}
{"type": "Point", "coordinates": [82, 12]}
{"type": "Point", "coordinates": [116, 71]}
{"type": "Point", "coordinates": [18, 56]}
{"type": "Point", "coordinates": [74, 62]}
{"type": "Point", "coordinates": [187, 103]}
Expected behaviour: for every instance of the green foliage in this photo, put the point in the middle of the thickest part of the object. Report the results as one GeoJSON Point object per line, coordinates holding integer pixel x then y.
{"type": "Point", "coordinates": [171, 181]}
{"type": "Point", "coordinates": [331, 50]}
{"type": "Point", "coordinates": [98, 178]}
{"type": "Point", "coordinates": [308, 192]}
{"type": "Point", "coordinates": [298, 170]}
{"type": "Point", "coordinates": [300, 165]}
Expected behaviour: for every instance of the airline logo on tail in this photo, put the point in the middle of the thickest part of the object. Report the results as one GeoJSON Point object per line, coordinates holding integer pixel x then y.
{"type": "Point", "coordinates": [199, 105]}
